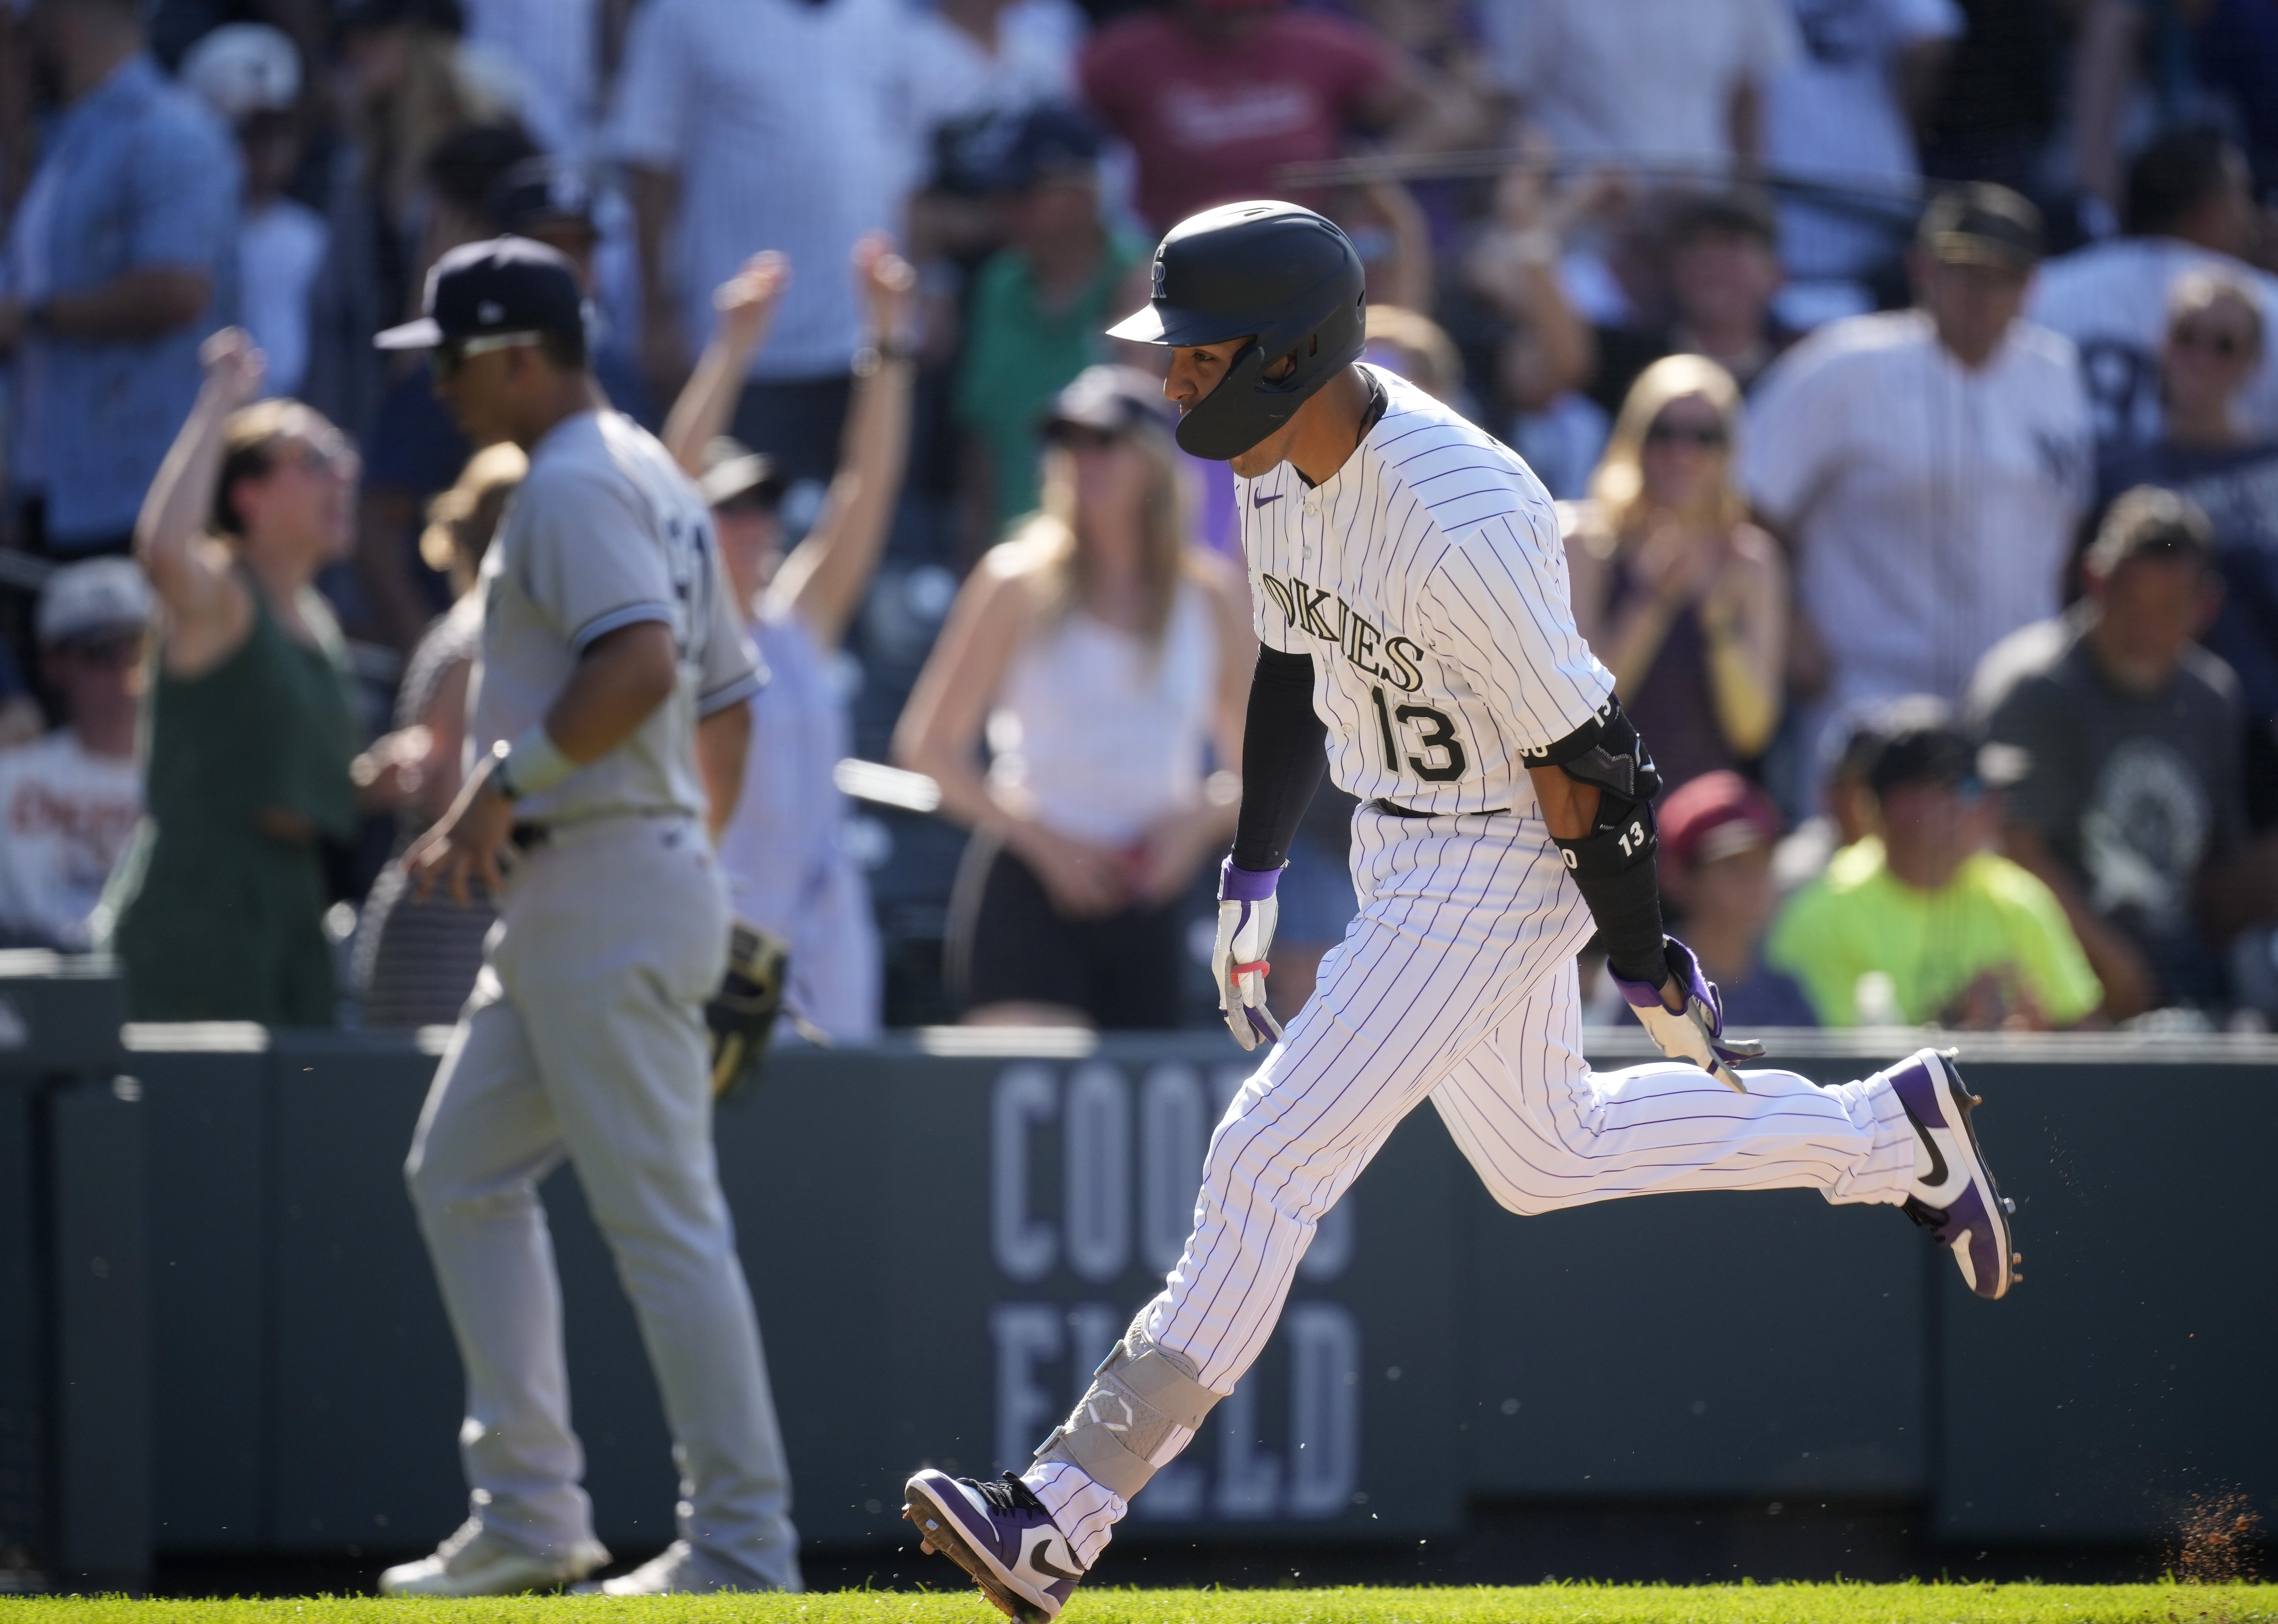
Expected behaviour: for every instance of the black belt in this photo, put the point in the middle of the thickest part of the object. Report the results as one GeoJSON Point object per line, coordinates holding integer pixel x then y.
{"type": "Point", "coordinates": [1393, 809]}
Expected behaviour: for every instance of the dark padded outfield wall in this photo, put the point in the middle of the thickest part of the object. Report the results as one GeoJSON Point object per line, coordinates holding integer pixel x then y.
{"type": "Point", "coordinates": [943, 1241]}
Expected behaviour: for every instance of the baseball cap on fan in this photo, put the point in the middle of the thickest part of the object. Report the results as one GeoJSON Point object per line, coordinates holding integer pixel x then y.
{"type": "Point", "coordinates": [1716, 815]}
{"type": "Point", "coordinates": [1108, 400]}
{"type": "Point", "coordinates": [241, 69]}
{"type": "Point", "coordinates": [100, 594]}
{"type": "Point", "coordinates": [1982, 224]}
{"type": "Point", "coordinates": [507, 285]}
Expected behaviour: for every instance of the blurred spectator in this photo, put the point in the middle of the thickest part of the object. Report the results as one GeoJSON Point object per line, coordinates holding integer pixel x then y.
{"type": "Point", "coordinates": [404, 88]}
{"type": "Point", "coordinates": [22, 720]}
{"type": "Point", "coordinates": [217, 909]}
{"type": "Point", "coordinates": [1039, 306]}
{"type": "Point", "coordinates": [1846, 803]}
{"type": "Point", "coordinates": [2215, 343]}
{"type": "Point", "coordinates": [551, 200]}
{"type": "Point", "coordinates": [1920, 923]}
{"type": "Point", "coordinates": [70, 802]}
{"type": "Point", "coordinates": [1996, 103]}
{"type": "Point", "coordinates": [2127, 732]}
{"type": "Point", "coordinates": [1683, 599]}
{"type": "Point", "coordinates": [2135, 69]}
{"type": "Point", "coordinates": [1444, 36]}
{"type": "Point", "coordinates": [1216, 95]}
{"type": "Point", "coordinates": [1844, 114]}
{"type": "Point", "coordinates": [1392, 239]}
{"type": "Point", "coordinates": [1508, 308]}
{"type": "Point", "coordinates": [1721, 266]}
{"type": "Point", "coordinates": [1000, 56]}
{"type": "Point", "coordinates": [1414, 345]}
{"type": "Point", "coordinates": [2188, 208]}
{"type": "Point", "coordinates": [786, 853]}
{"type": "Point", "coordinates": [1926, 466]}
{"type": "Point", "coordinates": [823, 91]}
{"type": "Point", "coordinates": [553, 51]}
{"type": "Point", "coordinates": [1645, 85]}
{"type": "Point", "coordinates": [1716, 862]}
{"type": "Point", "coordinates": [250, 74]}
{"type": "Point", "coordinates": [417, 450]}
{"type": "Point", "coordinates": [121, 258]}
{"type": "Point", "coordinates": [416, 957]}
{"type": "Point", "coordinates": [1101, 655]}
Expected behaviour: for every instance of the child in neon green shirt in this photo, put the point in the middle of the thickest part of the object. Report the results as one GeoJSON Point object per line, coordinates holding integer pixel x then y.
{"type": "Point", "coordinates": [1964, 936]}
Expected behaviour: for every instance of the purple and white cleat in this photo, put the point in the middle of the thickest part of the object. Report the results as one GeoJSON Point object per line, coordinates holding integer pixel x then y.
{"type": "Point", "coordinates": [1954, 1197]}
{"type": "Point", "coordinates": [1000, 1533]}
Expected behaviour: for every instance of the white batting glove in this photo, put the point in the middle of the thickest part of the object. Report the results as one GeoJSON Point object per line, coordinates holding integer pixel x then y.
{"type": "Point", "coordinates": [1697, 1032]}
{"type": "Point", "coordinates": [1246, 913]}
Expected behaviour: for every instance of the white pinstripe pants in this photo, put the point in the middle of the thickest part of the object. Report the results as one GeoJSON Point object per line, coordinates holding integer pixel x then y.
{"type": "Point", "coordinates": [1457, 981]}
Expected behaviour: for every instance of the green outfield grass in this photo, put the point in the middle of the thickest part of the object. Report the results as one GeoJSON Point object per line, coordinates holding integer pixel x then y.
{"type": "Point", "coordinates": [1773, 1603]}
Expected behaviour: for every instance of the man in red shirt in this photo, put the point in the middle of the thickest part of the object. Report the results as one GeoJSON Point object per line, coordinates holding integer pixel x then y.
{"type": "Point", "coordinates": [1216, 95]}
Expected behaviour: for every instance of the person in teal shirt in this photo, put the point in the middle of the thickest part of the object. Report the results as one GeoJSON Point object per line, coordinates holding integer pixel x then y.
{"type": "Point", "coordinates": [1040, 304]}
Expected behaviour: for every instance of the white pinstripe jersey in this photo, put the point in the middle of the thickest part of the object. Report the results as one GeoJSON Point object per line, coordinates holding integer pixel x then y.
{"type": "Point", "coordinates": [1427, 580]}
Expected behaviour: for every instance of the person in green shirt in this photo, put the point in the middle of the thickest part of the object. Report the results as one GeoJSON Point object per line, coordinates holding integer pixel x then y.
{"type": "Point", "coordinates": [1923, 923]}
{"type": "Point", "coordinates": [250, 729]}
{"type": "Point", "coordinates": [1038, 307]}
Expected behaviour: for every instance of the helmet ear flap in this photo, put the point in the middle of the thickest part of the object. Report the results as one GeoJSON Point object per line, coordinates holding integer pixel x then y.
{"type": "Point", "coordinates": [1227, 422]}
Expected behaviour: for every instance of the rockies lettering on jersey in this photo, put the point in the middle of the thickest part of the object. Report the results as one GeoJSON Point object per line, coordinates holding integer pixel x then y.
{"type": "Point", "coordinates": [1427, 579]}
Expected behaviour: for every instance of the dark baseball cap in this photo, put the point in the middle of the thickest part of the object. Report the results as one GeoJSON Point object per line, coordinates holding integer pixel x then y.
{"type": "Point", "coordinates": [1933, 755]}
{"type": "Point", "coordinates": [1982, 224]}
{"type": "Point", "coordinates": [540, 192]}
{"type": "Point", "coordinates": [1049, 140]}
{"type": "Point", "coordinates": [507, 285]}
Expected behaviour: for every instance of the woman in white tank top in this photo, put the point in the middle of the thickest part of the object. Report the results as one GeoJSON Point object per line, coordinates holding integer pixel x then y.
{"type": "Point", "coordinates": [1106, 663]}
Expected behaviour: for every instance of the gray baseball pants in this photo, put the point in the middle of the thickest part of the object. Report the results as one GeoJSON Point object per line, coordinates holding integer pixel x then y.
{"type": "Point", "coordinates": [584, 1036]}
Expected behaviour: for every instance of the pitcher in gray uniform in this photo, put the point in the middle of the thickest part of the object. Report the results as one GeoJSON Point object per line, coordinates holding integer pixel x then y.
{"type": "Point", "coordinates": [609, 697]}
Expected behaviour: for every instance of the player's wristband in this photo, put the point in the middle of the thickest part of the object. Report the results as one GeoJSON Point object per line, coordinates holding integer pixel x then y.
{"type": "Point", "coordinates": [530, 765]}
{"type": "Point", "coordinates": [1246, 885]}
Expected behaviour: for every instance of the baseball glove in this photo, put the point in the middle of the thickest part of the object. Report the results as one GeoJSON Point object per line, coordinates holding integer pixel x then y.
{"type": "Point", "coordinates": [743, 1012]}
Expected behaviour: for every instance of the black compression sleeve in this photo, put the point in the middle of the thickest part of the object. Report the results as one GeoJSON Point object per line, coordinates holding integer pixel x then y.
{"type": "Point", "coordinates": [1283, 757]}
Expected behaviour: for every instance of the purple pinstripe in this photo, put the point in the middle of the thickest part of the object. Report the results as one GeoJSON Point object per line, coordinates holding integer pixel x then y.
{"type": "Point", "coordinates": [1456, 982]}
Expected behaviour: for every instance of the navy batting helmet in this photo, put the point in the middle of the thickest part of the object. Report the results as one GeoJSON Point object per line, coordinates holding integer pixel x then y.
{"type": "Point", "coordinates": [1274, 273]}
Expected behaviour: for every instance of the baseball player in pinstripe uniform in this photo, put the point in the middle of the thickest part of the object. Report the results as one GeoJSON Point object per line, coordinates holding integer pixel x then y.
{"type": "Point", "coordinates": [1411, 601]}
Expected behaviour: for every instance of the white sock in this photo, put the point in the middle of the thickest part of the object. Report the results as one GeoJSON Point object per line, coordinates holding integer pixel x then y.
{"type": "Point", "coordinates": [1085, 1512]}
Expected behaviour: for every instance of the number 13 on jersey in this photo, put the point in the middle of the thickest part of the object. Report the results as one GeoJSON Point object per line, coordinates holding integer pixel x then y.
{"type": "Point", "coordinates": [1443, 760]}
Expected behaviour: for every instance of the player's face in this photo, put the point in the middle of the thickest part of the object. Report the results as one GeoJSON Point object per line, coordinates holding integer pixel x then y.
{"type": "Point", "coordinates": [1196, 370]}
{"type": "Point", "coordinates": [478, 392]}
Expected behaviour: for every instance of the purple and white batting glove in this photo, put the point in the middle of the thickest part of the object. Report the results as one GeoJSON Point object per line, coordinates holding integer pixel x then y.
{"type": "Point", "coordinates": [1246, 913]}
{"type": "Point", "coordinates": [1698, 1033]}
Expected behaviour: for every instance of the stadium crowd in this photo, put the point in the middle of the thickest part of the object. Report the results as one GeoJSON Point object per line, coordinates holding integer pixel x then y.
{"type": "Point", "coordinates": [1901, 367]}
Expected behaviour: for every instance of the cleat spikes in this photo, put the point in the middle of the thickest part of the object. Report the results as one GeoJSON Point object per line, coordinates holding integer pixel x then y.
{"type": "Point", "coordinates": [2008, 1204]}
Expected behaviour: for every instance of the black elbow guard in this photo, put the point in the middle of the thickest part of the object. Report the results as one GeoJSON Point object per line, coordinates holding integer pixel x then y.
{"type": "Point", "coordinates": [1612, 865]}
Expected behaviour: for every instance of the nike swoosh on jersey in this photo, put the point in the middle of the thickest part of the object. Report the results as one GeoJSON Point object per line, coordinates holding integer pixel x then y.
{"type": "Point", "coordinates": [1260, 499]}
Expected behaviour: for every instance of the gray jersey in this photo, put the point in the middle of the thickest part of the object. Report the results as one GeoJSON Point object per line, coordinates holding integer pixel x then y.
{"type": "Point", "coordinates": [606, 532]}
